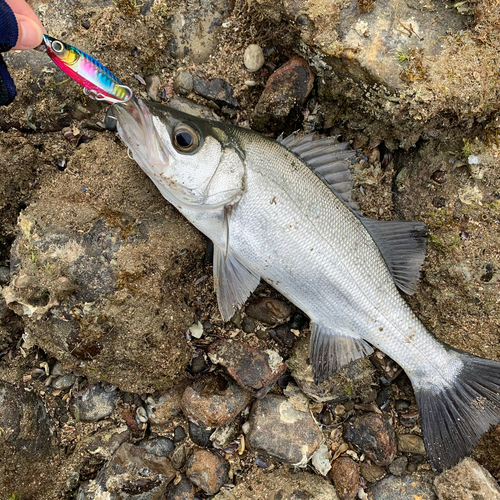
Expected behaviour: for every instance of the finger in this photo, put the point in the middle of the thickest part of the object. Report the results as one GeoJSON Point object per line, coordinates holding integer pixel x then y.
{"type": "Point", "coordinates": [30, 27]}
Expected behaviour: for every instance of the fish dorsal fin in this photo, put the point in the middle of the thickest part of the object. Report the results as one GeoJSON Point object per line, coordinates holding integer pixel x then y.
{"type": "Point", "coordinates": [402, 245]}
{"type": "Point", "coordinates": [330, 350]}
{"type": "Point", "coordinates": [329, 159]}
{"type": "Point", "coordinates": [234, 282]}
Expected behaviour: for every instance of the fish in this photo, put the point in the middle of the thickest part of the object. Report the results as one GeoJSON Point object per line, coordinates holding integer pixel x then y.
{"type": "Point", "coordinates": [282, 211]}
{"type": "Point", "coordinates": [98, 82]}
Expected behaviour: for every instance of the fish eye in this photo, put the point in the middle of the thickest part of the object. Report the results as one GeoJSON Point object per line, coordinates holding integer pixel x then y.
{"type": "Point", "coordinates": [185, 139]}
{"type": "Point", "coordinates": [57, 46]}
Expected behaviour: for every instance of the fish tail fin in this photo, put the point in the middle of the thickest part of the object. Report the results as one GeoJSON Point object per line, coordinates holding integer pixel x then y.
{"type": "Point", "coordinates": [453, 418]}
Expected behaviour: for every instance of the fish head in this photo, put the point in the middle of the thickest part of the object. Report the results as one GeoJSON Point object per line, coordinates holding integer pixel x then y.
{"type": "Point", "coordinates": [195, 163]}
{"type": "Point", "coordinates": [60, 52]}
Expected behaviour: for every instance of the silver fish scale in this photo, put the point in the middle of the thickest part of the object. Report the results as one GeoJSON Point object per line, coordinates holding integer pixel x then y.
{"type": "Point", "coordinates": [310, 247]}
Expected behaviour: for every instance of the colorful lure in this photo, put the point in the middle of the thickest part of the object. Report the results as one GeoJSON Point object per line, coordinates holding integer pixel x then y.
{"type": "Point", "coordinates": [98, 82]}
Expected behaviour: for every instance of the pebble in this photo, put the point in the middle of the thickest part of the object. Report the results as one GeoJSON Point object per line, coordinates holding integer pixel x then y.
{"type": "Point", "coordinates": [104, 443]}
{"type": "Point", "coordinates": [212, 401]}
{"type": "Point", "coordinates": [409, 487]}
{"type": "Point", "coordinates": [284, 94]}
{"type": "Point", "coordinates": [200, 435]}
{"type": "Point", "coordinates": [191, 108]}
{"type": "Point", "coordinates": [298, 321]}
{"type": "Point", "coordinates": [398, 467]}
{"type": "Point", "coordinates": [268, 310]}
{"type": "Point", "coordinates": [253, 369]}
{"type": "Point", "coordinates": [217, 90]}
{"type": "Point", "coordinates": [408, 443]}
{"type": "Point", "coordinates": [179, 434]}
{"type": "Point", "coordinates": [253, 58]}
{"type": "Point", "coordinates": [371, 472]}
{"type": "Point", "coordinates": [207, 470]}
{"type": "Point", "coordinates": [4, 275]}
{"type": "Point", "coordinates": [198, 364]}
{"type": "Point", "coordinates": [162, 409]}
{"type": "Point", "coordinates": [401, 404]}
{"type": "Point", "coordinates": [345, 477]}
{"type": "Point", "coordinates": [183, 490]}
{"type": "Point", "coordinates": [280, 430]}
{"type": "Point", "coordinates": [110, 120]}
{"type": "Point", "coordinates": [467, 481]}
{"type": "Point", "coordinates": [93, 405]}
{"type": "Point", "coordinates": [160, 446]}
{"type": "Point", "coordinates": [374, 436]}
{"type": "Point", "coordinates": [248, 325]}
{"type": "Point", "coordinates": [183, 83]}
{"type": "Point", "coordinates": [439, 201]}
{"type": "Point", "coordinates": [63, 382]}
{"type": "Point", "coordinates": [178, 457]}
{"type": "Point", "coordinates": [153, 83]}
{"type": "Point", "coordinates": [224, 435]}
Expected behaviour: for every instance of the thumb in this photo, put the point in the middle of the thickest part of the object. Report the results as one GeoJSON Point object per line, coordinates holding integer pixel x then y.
{"type": "Point", "coordinates": [30, 33]}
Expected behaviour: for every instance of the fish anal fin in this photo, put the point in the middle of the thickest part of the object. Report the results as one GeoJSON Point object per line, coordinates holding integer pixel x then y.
{"type": "Point", "coordinates": [402, 245]}
{"type": "Point", "coordinates": [234, 282]}
{"type": "Point", "coordinates": [330, 350]}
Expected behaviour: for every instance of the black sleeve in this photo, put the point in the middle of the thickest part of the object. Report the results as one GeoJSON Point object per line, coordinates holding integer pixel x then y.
{"type": "Point", "coordinates": [8, 38]}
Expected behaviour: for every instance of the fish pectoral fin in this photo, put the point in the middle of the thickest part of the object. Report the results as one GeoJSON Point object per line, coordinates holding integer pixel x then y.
{"type": "Point", "coordinates": [234, 282]}
{"type": "Point", "coordinates": [330, 350]}
{"type": "Point", "coordinates": [402, 245]}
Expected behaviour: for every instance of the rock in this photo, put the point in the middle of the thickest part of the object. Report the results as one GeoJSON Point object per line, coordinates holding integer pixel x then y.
{"type": "Point", "coordinates": [248, 325]}
{"type": "Point", "coordinates": [217, 90]}
{"type": "Point", "coordinates": [26, 425]}
{"type": "Point", "coordinates": [183, 83]}
{"type": "Point", "coordinates": [409, 443]}
{"type": "Point", "coordinates": [198, 364]}
{"type": "Point", "coordinates": [224, 435]}
{"type": "Point", "coordinates": [153, 83]}
{"type": "Point", "coordinates": [132, 473]}
{"type": "Point", "coordinates": [467, 481]}
{"type": "Point", "coordinates": [104, 444]}
{"type": "Point", "coordinates": [277, 428]}
{"type": "Point", "coordinates": [371, 472]}
{"type": "Point", "coordinates": [352, 381]}
{"type": "Point", "coordinates": [4, 275]}
{"type": "Point", "coordinates": [253, 369]}
{"type": "Point", "coordinates": [283, 96]}
{"type": "Point", "coordinates": [398, 467]}
{"type": "Point", "coordinates": [63, 382]}
{"type": "Point", "coordinates": [83, 269]}
{"type": "Point", "coordinates": [253, 58]}
{"type": "Point", "coordinates": [191, 108]}
{"type": "Point", "coordinates": [179, 457]}
{"type": "Point", "coordinates": [179, 434]}
{"type": "Point", "coordinates": [200, 435]}
{"type": "Point", "coordinates": [268, 310]}
{"type": "Point", "coordinates": [93, 405]}
{"type": "Point", "coordinates": [160, 446]}
{"type": "Point", "coordinates": [183, 490]}
{"type": "Point", "coordinates": [162, 409]}
{"type": "Point", "coordinates": [321, 460]}
{"type": "Point", "coordinates": [409, 487]}
{"type": "Point", "coordinates": [282, 484]}
{"type": "Point", "coordinates": [207, 470]}
{"type": "Point", "coordinates": [374, 437]}
{"type": "Point", "coordinates": [211, 401]}
{"type": "Point", "coordinates": [110, 120]}
{"type": "Point", "coordinates": [345, 476]}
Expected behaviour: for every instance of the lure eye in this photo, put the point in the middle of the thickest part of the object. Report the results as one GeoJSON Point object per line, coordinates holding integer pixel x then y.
{"type": "Point", "coordinates": [57, 47]}
{"type": "Point", "coordinates": [185, 139]}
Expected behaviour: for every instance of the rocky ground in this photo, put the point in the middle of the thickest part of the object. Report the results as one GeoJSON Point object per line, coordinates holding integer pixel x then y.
{"type": "Point", "coordinates": [118, 377]}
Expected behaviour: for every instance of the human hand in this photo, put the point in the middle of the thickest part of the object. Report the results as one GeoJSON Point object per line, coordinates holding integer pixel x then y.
{"type": "Point", "coordinates": [30, 27]}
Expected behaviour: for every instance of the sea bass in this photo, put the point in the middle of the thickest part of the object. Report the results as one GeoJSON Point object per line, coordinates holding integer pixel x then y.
{"type": "Point", "coordinates": [282, 211]}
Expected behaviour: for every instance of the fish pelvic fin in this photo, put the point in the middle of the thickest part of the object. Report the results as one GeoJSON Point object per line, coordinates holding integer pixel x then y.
{"type": "Point", "coordinates": [454, 418]}
{"type": "Point", "coordinates": [330, 350]}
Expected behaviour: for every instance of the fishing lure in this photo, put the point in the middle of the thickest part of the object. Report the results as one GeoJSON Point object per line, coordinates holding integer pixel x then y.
{"type": "Point", "coordinates": [98, 82]}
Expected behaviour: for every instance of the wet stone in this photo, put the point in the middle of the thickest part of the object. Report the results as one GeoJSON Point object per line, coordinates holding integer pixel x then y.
{"type": "Point", "coordinates": [248, 325]}
{"type": "Point", "coordinates": [200, 435]}
{"type": "Point", "coordinates": [163, 409]}
{"type": "Point", "coordinates": [345, 477]}
{"type": "Point", "coordinates": [374, 437]}
{"type": "Point", "coordinates": [183, 83]}
{"type": "Point", "coordinates": [93, 405]}
{"type": "Point", "coordinates": [253, 369]}
{"type": "Point", "coordinates": [211, 401]}
{"type": "Point", "coordinates": [283, 96]}
{"type": "Point", "coordinates": [408, 443]}
{"type": "Point", "coordinates": [467, 481]}
{"type": "Point", "coordinates": [398, 467]}
{"type": "Point", "coordinates": [160, 446]}
{"type": "Point", "coordinates": [63, 382]}
{"type": "Point", "coordinates": [371, 472]}
{"type": "Point", "coordinates": [207, 470]}
{"type": "Point", "coordinates": [179, 434]}
{"type": "Point", "coordinates": [268, 310]}
{"type": "Point", "coordinates": [153, 83]}
{"type": "Point", "coordinates": [183, 490]}
{"type": "Point", "coordinates": [277, 428]}
{"type": "Point", "coordinates": [132, 473]}
{"type": "Point", "coordinates": [198, 364]}
{"type": "Point", "coordinates": [217, 90]}
{"type": "Point", "coordinates": [408, 487]}
{"type": "Point", "coordinates": [253, 58]}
